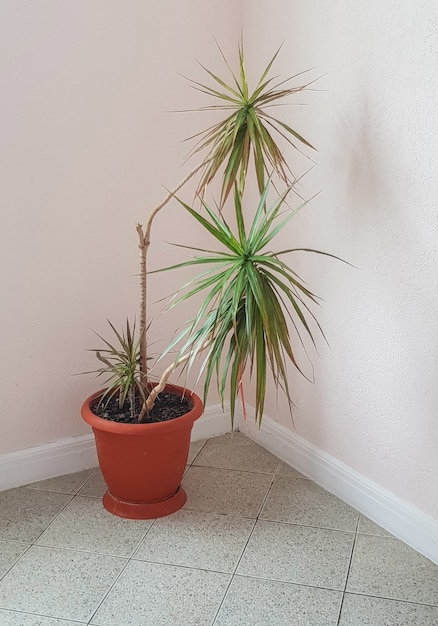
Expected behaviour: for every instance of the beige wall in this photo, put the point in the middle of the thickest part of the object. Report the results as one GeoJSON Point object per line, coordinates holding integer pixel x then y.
{"type": "Point", "coordinates": [374, 120]}
{"type": "Point", "coordinates": [88, 144]}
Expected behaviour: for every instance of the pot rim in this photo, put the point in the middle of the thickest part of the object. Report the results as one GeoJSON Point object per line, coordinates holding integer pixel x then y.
{"type": "Point", "coordinates": [177, 423]}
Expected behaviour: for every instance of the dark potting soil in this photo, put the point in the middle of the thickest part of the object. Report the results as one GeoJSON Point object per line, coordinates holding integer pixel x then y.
{"type": "Point", "coordinates": [168, 406]}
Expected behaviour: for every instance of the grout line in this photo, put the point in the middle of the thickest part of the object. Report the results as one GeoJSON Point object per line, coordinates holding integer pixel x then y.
{"type": "Point", "coordinates": [368, 595]}
{"type": "Point", "coordinates": [340, 609]}
{"type": "Point", "coordinates": [111, 587]}
{"type": "Point", "coordinates": [52, 521]}
{"type": "Point", "coordinates": [235, 469]}
{"type": "Point", "coordinates": [338, 530]}
{"type": "Point", "coordinates": [72, 497]}
{"type": "Point", "coordinates": [181, 566]}
{"type": "Point", "coordinates": [338, 621]}
{"type": "Point", "coordinates": [273, 477]}
{"type": "Point", "coordinates": [75, 493]}
{"type": "Point", "coordinates": [88, 479]}
{"type": "Point", "coordinates": [29, 546]}
{"type": "Point", "coordinates": [47, 546]}
{"type": "Point", "coordinates": [197, 454]}
{"type": "Point", "coordinates": [348, 570]}
{"type": "Point", "coordinates": [289, 582]}
{"type": "Point", "coordinates": [222, 601]}
{"type": "Point", "coordinates": [247, 541]}
{"type": "Point", "coordinates": [233, 575]}
{"type": "Point", "coordinates": [61, 619]}
{"type": "Point", "coordinates": [33, 543]}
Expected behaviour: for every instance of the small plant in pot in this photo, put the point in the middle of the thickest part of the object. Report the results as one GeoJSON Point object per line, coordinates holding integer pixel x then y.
{"type": "Point", "coordinates": [251, 297]}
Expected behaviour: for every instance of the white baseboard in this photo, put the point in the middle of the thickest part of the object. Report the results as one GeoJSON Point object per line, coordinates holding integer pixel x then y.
{"type": "Point", "coordinates": [64, 456]}
{"type": "Point", "coordinates": [74, 454]}
{"type": "Point", "coordinates": [398, 517]}
{"type": "Point", "coordinates": [215, 421]}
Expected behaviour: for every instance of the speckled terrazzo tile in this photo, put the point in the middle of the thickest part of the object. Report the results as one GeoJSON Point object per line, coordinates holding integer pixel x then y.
{"type": "Point", "coordinates": [367, 527]}
{"type": "Point", "coordinates": [298, 501]}
{"type": "Point", "coordinates": [10, 552]}
{"type": "Point", "coordinates": [86, 525]}
{"type": "Point", "coordinates": [59, 583]}
{"type": "Point", "coordinates": [25, 513]}
{"type": "Point", "coordinates": [201, 540]}
{"type": "Point", "coordinates": [226, 492]}
{"type": "Point", "coordinates": [95, 487]}
{"type": "Point", "coordinates": [237, 452]}
{"type": "Point", "coordinates": [290, 472]}
{"type": "Point", "coordinates": [271, 603]}
{"type": "Point", "coordinates": [386, 567]}
{"type": "Point", "coordinates": [366, 611]}
{"type": "Point", "coordinates": [195, 449]}
{"type": "Point", "coordinates": [297, 554]}
{"type": "Point", "coordinates": [12, 618]}
{"type": "Point", "coordinates": [69, 483]}
{"type": "Point", "coordinates": [152, 594]}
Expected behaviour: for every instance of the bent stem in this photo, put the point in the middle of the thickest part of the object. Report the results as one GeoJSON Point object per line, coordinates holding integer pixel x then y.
{"type": "Point", "coordinates": [159, 387]}
{"type": "Point", "coordinates": [144, 240]}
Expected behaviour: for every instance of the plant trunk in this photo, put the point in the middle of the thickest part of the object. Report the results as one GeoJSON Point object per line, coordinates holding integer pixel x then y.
{"type": "Point", "coordinates": [144, 237]}
{"type": "Point", "coordinates": [143, 308]}
{"type": "Point", "coordinates": [132, 403]}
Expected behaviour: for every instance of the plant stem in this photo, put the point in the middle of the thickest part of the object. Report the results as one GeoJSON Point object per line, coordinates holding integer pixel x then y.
{"type": "Point", "coordinates": [158, 388]}
{"type": "Point", "coordinates": [132, 402]}
{"type": "Point", "coordinates": [144, 240]}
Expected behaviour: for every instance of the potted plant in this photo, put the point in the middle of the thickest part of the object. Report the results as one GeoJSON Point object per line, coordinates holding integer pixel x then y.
{"type": "Point", "coordinates": [250, 294]}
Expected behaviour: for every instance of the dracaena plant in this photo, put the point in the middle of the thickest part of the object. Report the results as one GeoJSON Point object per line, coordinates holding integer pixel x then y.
{"type": "Point", "coordinates": [247, 128]}
{"type": "Point", "coordinates": [120, 360]}
{"type": "Point", "coordinates": [251, 292]}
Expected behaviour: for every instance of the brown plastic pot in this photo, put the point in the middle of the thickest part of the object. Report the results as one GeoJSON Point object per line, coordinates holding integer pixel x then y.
{"type": "Point", "coordinates": [143, 464]}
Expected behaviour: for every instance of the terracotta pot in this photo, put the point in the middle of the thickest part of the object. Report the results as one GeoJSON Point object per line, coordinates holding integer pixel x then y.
{"type": "Point", "coordinates": [143, 464]}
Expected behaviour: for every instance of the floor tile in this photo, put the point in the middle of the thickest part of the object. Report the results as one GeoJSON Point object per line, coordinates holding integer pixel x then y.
{"type": "Point", "coordinates": [86, 525]}
{"type": "Point", "coordinates": [95, 487]}
{"type": "Point", "coordinates": [201, 540]}
{"type": "Point", "coordinates": [298, 554]}
{"type": "Point", "coordinates": [290, 472]}
{"type": "Point", "coordinates": [152, 594]}
{"type": "Point", "coordinates": [226, 492]}
{"type": "Point", "coordinates": [234, 451]}
{"type": "Point", "coordinates": [69, 483]}
{"type": "Point", "coordinates": [59, 583]}
{"type": "Point", "coordinates": [195, 449]}
{"type": "Point", "coordinates": [367, 527]}
{"type": "Point", "coordinates": [91, 568]}
{"type": "Point", "coordinates": [272, 603]}
{"type": "Point", "coordinates": [12, 618]}
{"type": "Point", "coordinates": [300, 501]}
{"type": "Point", "coordinates": [366, 611]}
{"type": "Point", "coordinates": [10, 552]}
{"type": "Point", "coordinates": [386, 567]}
{"type": "Point", "coordinates": [25, 513]}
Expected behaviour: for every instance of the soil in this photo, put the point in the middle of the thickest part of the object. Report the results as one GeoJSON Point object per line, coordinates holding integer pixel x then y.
{"type": "Point", "coordinates": [168, 406]}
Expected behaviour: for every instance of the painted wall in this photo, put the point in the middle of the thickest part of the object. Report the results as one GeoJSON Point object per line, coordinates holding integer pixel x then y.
{"type": "Point", "coordinates": [374, 119]}
{"type": "Point", "coordinates": [88, 144]}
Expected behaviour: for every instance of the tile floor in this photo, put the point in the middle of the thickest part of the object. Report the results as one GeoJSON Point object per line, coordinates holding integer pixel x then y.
{"type": "Point", "coordinates": [256, 544]}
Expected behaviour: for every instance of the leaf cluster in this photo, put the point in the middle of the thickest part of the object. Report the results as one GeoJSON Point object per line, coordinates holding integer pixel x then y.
{"type": "Point", "coordinates": [120, 364]}
{"type": "Point", "coordinates": [247, 127]}
{"type": "Point", "coordinates": [251, 297]}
